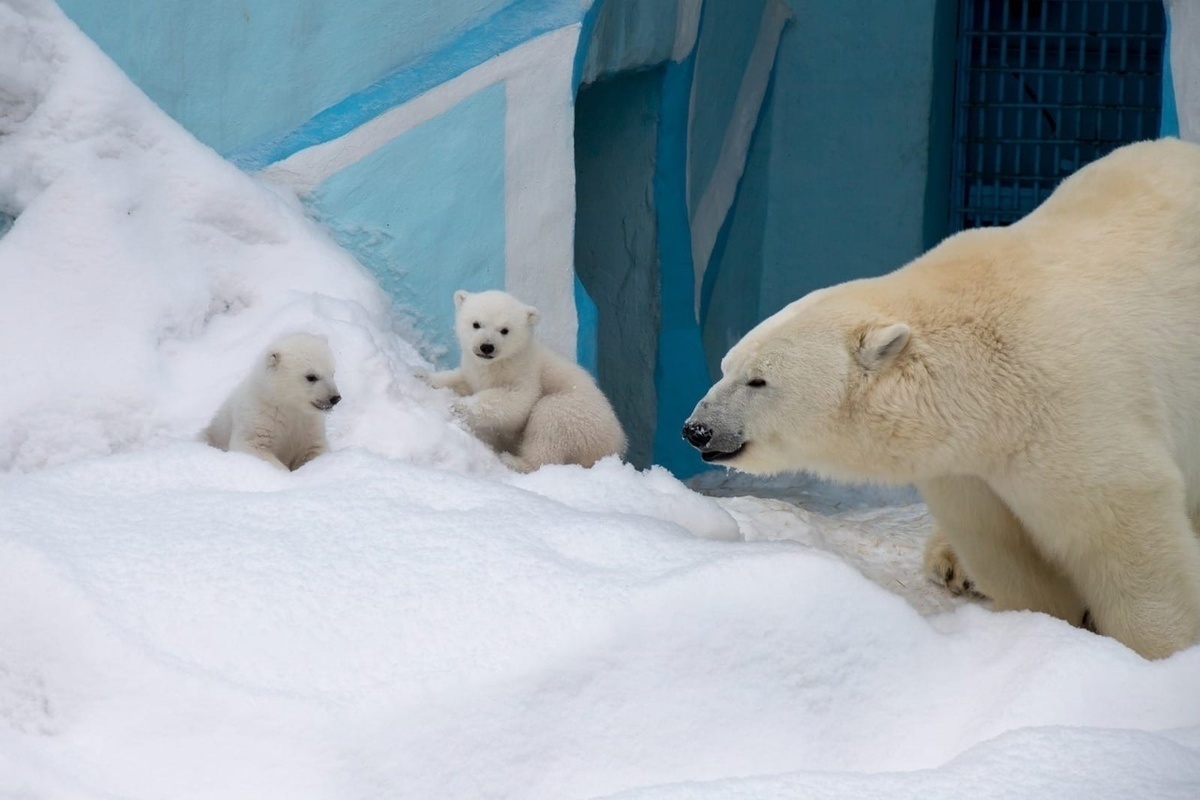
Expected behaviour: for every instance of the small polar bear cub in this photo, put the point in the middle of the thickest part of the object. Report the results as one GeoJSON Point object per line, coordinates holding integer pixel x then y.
{"type": "Point", "coordinates": [278, 412]}
{"type": "Point", "coordinates": [529, 404]}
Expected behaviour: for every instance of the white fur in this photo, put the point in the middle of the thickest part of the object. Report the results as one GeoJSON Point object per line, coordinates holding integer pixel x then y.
{"type": "Point", "coordinates": [278, 412]}
{"type": "Point", "coordinates": [532, 406]}
{"type": "Point", "coordinates": [1040, 384]}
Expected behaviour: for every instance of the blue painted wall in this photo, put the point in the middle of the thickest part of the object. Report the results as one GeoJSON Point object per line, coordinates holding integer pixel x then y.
{"type": "Point", "coordinates": [616, 241]}
{"type": "Point", "coordinates": [728, 31]}
{"type": "Point", "coordinates": [849, 144]}
{"type": "Point", "coordinates": [729, 300]}
{"type": "Point", "coordinates": [626, 35]}
{"type": "Point", "coordinates": [436, 224]}
{"type": "Point", "coordinates": [1169, 121]}
{"type": "Point", "coordinates": [236, 72]}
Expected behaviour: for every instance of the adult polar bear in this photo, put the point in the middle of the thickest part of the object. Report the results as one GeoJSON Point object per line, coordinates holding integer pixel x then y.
{"type": "Point", "coordinates": [1039, 383]}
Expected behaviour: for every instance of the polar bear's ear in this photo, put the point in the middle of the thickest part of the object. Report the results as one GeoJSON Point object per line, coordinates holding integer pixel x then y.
{"type": "Point", "coordinates": [532, 316]}
{"type": "Point", "coordinates": [460, 296]}
{"type": "Point", "coordinates": [879, 345]}
{"type": "Point", "coordinates": [273, 359]}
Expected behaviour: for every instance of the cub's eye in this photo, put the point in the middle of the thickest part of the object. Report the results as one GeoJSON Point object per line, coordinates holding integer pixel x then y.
{"type": "Point", "coordinates": [310, 378]}
{"type": "Point", "coordinates": [504, 331]}
{"type": "Point", "coordinates": [756, 383]}
{"type": "Point", "coordinates": [475, 325]}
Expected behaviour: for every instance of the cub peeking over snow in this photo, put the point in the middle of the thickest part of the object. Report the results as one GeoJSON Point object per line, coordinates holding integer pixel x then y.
{"type": "Point", "coordinates": [278, 412]}
{"type": "Point", "coordinates": [531, 405]}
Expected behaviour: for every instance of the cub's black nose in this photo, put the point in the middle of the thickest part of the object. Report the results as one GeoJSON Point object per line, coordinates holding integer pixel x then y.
{"type": "Point", "coordinates": [697, 434]}
{"type": "Point", "coordinates": [333, 401]}
{"type": "Point", "coordinates": [487, 349]}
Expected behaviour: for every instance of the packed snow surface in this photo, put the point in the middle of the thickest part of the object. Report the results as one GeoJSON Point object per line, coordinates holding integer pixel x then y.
{"type": "Point", "coordinates": [403, 617]}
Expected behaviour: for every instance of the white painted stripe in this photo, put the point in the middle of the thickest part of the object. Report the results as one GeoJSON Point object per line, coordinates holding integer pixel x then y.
{"type": "Point", "coordinates": [539, 168]}
{"type": "Point", "coordinates": [687, 27]}
{"type": "Point", "coordinates": [539, 190]}
{"type": "Point", "coordinates": [307, 168]}
{"type": "Point", "coordinates": [1185, 66]}
{"type": "Point", "coordinates": [718, 196]}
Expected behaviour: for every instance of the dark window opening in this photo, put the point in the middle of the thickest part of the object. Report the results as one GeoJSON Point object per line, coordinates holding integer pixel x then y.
{"type": "Point", "coordinates": [1044, 87]}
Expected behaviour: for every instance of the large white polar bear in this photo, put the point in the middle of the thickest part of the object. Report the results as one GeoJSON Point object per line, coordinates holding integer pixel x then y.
{"type": "Point", "coordinates": [278, 412]}
{"type": "Point", "coordinates": [531, 405]}
{"type": "Point", "coordinates": [1039, 383]}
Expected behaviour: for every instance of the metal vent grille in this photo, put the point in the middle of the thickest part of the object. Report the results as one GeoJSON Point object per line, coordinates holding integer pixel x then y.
{"type": "Point", "coordinates": [1044, 87]}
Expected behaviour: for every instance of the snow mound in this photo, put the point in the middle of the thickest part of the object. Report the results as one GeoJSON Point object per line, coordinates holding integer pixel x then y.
{"type": "Point", "coordinates": [403, 617]}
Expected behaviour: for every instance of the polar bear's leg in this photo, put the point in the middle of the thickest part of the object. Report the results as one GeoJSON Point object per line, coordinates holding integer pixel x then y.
{"type": "Point", "coordinates": [996, 551]}
{"type": "Point", "coordinates": [497, 415]}
{"type": "Point", "coordinates": [1130, 548]}
{"type": "Point", "coordinates": [563, 429]}
{"type": "Point", "coordinates": [256, 442]}
{"type": "Point", "coordinates": [943, 567]}
{"type": "Point", "coordinates": [313, 443]}
{"type": "Point", "coordinates": [452, 379]}
{"type": "Point", "coordinates": [515, 462]}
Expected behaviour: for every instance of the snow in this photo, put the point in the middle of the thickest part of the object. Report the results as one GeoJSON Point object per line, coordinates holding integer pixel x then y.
{"type": "Point", "coordinates": [405, 618]}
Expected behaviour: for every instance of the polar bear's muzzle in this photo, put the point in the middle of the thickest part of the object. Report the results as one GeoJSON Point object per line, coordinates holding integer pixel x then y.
{"type": "Point", "coordinates": [325, 405]}
{"type": "Point", "coordinates": [714, 446]}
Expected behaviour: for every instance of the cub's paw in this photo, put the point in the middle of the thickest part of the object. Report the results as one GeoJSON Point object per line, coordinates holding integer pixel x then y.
{"type": "Point", "coordinates": [516, 463]}
{"type": "Point", "coordinates": [943, 567]}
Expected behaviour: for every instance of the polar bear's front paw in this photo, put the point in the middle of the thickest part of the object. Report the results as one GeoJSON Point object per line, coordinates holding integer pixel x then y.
{"type": "Point", "coordinates": [465, 409]}
{"type": "Point", "coordinates": [515, 462]}
{"type": "Point", "coordinates": [943, 567]}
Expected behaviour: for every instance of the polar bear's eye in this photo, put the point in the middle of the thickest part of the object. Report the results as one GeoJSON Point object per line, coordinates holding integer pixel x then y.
{"type": "Point", "coordinates": [504, 331]}
{"type": "Point", "coordinates": [310, 378]}
{"type": "Point", "coordinates": [756, 382]}
{"type": "Point", "coordinates": [475, 325]}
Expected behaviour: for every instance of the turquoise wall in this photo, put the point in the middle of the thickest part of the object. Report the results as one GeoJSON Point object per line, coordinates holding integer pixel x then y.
{"type": "Point", "coordinates": [849, 144]}
{"type": "Point", "coordinates": [729, 299]}
{"type": "Point", "coordinates": [427, 230]}
{"type": "Point", "coordinates": [616, 242]}
{"type": "Point", "coordinates": [236, 72]}
{"type": "Point", "coordinates": [626, 35]}
{"type": "Point", "coordinates": [728, 31]}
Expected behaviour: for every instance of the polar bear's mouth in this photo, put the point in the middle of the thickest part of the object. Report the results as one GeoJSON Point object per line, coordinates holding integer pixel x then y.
{"type": "Point", "coordinates": [721, 455]}
{"type": "Point", "coordinates": [317, 404]}
{"type": "Point", "coordinates": [485, 356]}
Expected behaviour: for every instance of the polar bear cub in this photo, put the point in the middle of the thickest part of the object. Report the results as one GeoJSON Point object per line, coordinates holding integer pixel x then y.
{"type": "Point", "coordinates": [531, 405]}
{"type": "Point", "coordinates": [278, 412]}
{"type": "Point", "coordinates": [1039, 383]}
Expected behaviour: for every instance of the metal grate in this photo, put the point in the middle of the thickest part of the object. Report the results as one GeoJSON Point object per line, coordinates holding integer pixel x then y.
{"type": "Point", "coordinates": [1044, 87]}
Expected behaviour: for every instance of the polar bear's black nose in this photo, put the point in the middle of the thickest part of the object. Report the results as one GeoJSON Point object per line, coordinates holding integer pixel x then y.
{"type": "Point", "coordinates": [333, 401]}
{"type": "Point", "coordinates": [487, 349]}
{"type": "Point", "coordinates": [697, 434]}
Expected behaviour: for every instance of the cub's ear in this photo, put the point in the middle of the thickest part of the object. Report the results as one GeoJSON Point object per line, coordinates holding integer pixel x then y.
{"type": "Point", "coordinates": [532, 315]}
{"type": "Point", "coordinates": [273, 359]}
{"type": "Point", "coordinates": [460, 296]}
{"type": "Point", "coordinates": [879, 345]}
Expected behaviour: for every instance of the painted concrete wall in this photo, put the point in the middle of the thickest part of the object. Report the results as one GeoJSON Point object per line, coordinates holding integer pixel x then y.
{"type": "Point", "coordinates": [235, 72]}
{"type": "Point", "coordinates": [729, 304]}
{"type": "Point", "coordinates": [448, 223]}
{"type": "Point", "coordinates": [616, 242]}
{"type": "Point", "coordinates": [849, 144]}
{"type": "Point", "coordinates": [468, 184]}
{"type": "Point", "coordinates": [1184, 46]}
{"type": "Point", "coordinates": [628, 35]}
{"type": "Point", "coordinates": [728, 32]}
